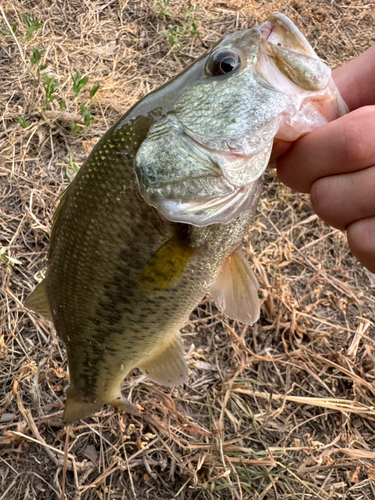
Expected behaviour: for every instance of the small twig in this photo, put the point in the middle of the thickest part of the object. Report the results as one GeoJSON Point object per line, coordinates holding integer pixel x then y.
{"type": "Point", "coordinates": [66, 451]}
{"type": "Point", "coordinates": [330, 403]}
{"type": "Point", "coordinates": [350, 40]}
{"type": "Point", "coordinates": [63, 116]}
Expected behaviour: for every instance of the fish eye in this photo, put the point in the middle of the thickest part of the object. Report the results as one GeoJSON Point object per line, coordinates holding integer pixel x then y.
{"type": "Point", "coordinates": [223, 62]}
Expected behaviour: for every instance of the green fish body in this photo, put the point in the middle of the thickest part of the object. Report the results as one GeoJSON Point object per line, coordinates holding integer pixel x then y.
{"type": "Point", "coordinates": [154, 218]}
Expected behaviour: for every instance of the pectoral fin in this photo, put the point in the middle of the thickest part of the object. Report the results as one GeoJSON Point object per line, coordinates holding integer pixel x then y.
{"type": "Point", "coordinates": [38, 301]}
{"type": "Point", "coordinates": [168, 367]}
{"type": "Point", "coordinates": [235, 290]}
{"type": "Point", "coordinates": [166, 266]}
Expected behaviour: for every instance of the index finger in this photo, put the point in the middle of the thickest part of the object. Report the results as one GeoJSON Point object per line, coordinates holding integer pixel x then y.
{"type": "Point", "coordinates": [355, 80]}
{"type": "Point", "coordinates": [342, 146]}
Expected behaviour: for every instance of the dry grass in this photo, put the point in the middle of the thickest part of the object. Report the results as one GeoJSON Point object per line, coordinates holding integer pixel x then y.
{"type": "Point", "coordinates": [284, 410]}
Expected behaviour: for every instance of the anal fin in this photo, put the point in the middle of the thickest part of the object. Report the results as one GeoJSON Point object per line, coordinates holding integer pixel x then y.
{"type": "Point", "coordinates": [37, 301]}
{"type": "Point", "coordinates": [168, 366]}
{"type": "Point", "coordinates": [235, 290]}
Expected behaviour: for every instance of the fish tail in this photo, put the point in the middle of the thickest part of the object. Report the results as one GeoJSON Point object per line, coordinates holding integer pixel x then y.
{"type": "Point", "coordinates": [76, 407]}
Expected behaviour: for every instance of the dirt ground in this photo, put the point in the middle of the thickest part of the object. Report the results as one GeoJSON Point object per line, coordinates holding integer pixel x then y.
{"type": "Point", "coordinates": [282, 410]}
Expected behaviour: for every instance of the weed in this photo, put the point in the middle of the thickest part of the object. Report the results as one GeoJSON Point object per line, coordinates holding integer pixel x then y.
{"type": "Point", "coordinates": [6, 259]}
{"type": "Point", "coordinates": [36, 56]}
{"type": "Point", "coordinates": [79, 83]}
{"type": "Point", "coordinates": [87, 118]}
{"type": "Point", "coordinates": [31, 26]}
{"type": "Point", "coordinates": [185, 24]}
{"type": "Point", "coordinates": [94, 90]}
{"type": "Point", "coordinates": [74, 128]}
{"type": "Point", "coordinates": [71, 166]}
{"type": "Point", "coordinates": [162, 9]}
{"type": "Point", "coordinates": [23, 122]}
{"type": "Point", "coordinates": [62, 104]}
{"type": "Point", "coordinates": [50, 87]}
{"type": "Point", "coordinates": [4, 30]}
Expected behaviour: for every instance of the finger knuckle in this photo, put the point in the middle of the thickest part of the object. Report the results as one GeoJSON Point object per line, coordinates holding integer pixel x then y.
{"type": "Point", "coordinates": [359, 147]}
{"type": "Point", "coordinates": [320, 196]}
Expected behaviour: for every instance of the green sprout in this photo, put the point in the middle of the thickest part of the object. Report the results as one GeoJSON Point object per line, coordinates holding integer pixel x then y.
{"type": "Point", "coordinates": [6, 259]}
{"type": "Point", "coordinates": [79, 83]}
{"type": "Point", "coordinates": [74, 128]}
{"type": "Point", "coordinates": [4, 30]}
{"type": "Point", "coordinates": [87, 118]}
{"type": "Point", "coordinates": [36, 56]}
{"type": "Point", "coordinates": [94, 90]}
{"type": "Point", "coordinates": [50, 88]}
{"type": "Point", "coordinates": [71, 166]}
{"type": "Point", "coordinates": [23, 122]}
{"type": "Point", "coordinates": [162, 9]}
{"type": "Point", "coordinates": [31, 26]}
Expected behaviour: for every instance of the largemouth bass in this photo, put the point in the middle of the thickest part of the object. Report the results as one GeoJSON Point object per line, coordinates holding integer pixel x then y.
{"type": "Point", "coordinates": [155, 217]}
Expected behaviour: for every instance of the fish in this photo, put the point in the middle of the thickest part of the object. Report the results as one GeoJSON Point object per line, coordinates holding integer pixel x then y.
{"type": "Point", "coordinates": [156, 216]}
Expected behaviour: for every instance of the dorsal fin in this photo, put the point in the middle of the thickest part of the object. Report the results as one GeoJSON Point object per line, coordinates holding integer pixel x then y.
{"type": "Point", "coordinates": [235, 290]}
{"type": "Point", "coordinates": [168, 366]}
{"type": "Point", "coordinates": [38, 301]}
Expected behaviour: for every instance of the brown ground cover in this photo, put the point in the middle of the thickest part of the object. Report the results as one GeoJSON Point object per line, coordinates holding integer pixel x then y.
{"type": "Point", "coordinates": [283, 410]}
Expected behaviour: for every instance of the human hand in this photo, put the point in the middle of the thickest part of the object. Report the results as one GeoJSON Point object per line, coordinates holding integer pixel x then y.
{"type": "Point", "coordinates": [336, 163]}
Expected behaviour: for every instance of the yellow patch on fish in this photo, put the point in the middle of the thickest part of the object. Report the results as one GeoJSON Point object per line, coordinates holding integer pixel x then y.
{"type": "Point", "coordinates": [166, 266]}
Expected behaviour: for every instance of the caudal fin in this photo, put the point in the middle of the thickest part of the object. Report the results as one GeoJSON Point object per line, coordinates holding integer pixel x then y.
{"type": "Point", "coordinates": [76, 407]}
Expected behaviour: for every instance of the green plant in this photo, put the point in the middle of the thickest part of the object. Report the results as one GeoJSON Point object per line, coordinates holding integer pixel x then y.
{"type": "Point", "coordinates": [87, 118]}
{"type": "Point", "coordinates": [94, 90]}
{"type": "Point", "coordinates": [71, 166]}
{"type": "Point", "coordinates": [79, 83]}
{"type": "Point", "coordinates": [194, 31]}
{"type": "Point", "coordinates": [23, 122]}
{"type": "Point", "coordinates": [161, 8]}
{"type": "Point", "coordinates": [50, 87]}
{"type": "Point", "coordinates": [173, 34]}
{"type": "Point", "coordinates": [191, 14]}
{"type": "Point", "coordinates": [74, 128]}
{"type": "Point", "coordinates": [4, 30]}
{"type": "Point", "coordinates": [186, 25]}
{"type": "Point", "coordinates": [6, 259]}
{"type": "Point", "coordinates": [36, 56]}
{"type": "Point", "coordinates": [31, 26]}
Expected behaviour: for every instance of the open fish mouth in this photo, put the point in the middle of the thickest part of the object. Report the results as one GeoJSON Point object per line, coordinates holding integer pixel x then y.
{"type": "Point", "coordinates": [202, 160]}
